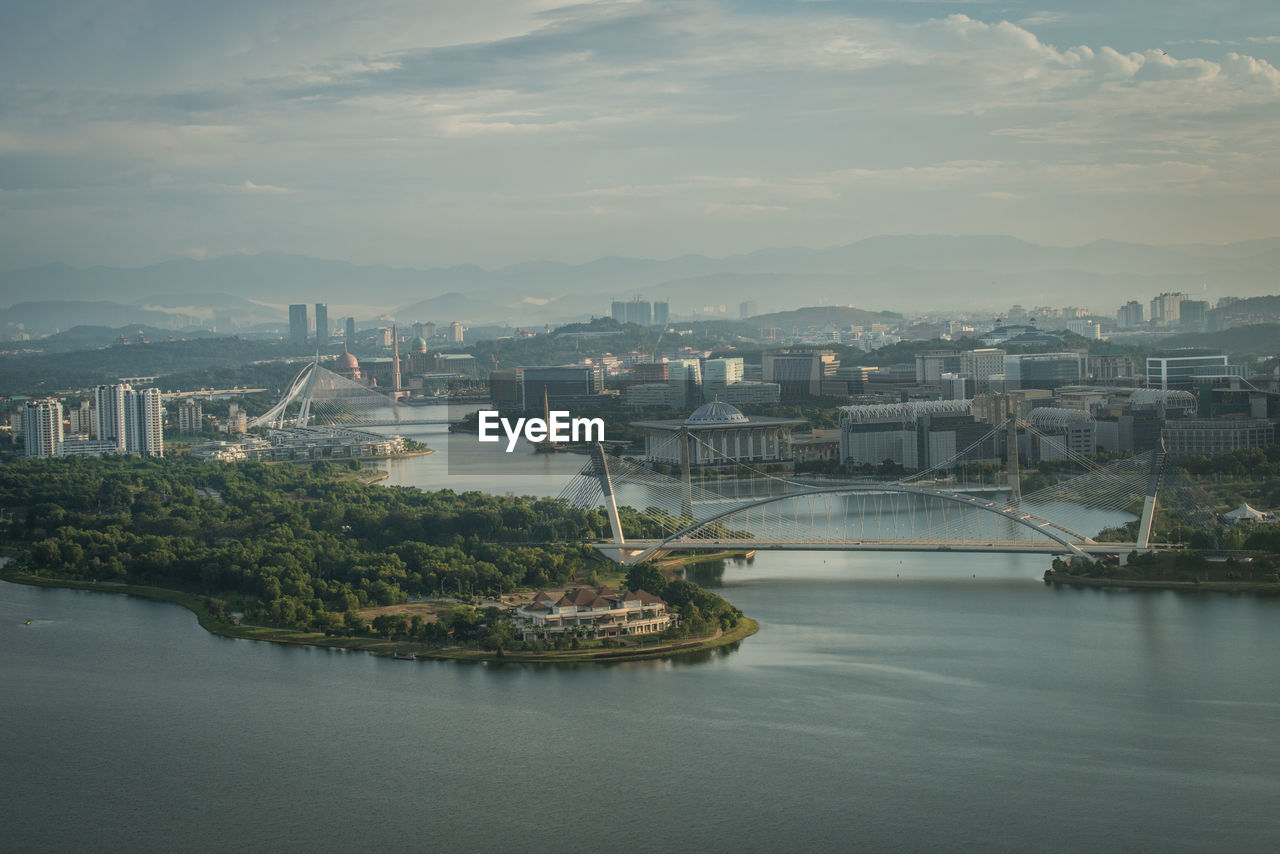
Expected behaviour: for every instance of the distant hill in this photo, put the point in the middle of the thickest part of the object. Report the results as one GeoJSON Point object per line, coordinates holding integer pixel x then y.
{"type": "Point", "coordinates": [888, 272]}
{"type": "Point", "coordinates": [94, 337]}
{"type": "Point", "coordinates": [817, 317]}
{"type": "Point", "coordinates": [447, 308]}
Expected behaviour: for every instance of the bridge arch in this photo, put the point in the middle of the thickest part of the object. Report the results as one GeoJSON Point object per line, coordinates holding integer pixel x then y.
{"type": "Point", "coordinates": [1054, 531]}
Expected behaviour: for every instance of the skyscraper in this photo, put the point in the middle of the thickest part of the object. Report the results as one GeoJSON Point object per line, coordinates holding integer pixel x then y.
{"type": "Point", "coordinates": [322, 325]}
{"type": "Point", "coordinates": [144, 422]}
{"type": "Point", "coordinates": [351, 333]}
{"type": "Point", "coordinates": [42, 427]}
{"type": "Point", "coordinates": [661, 313]}
{"type": "Point", "coordinates": [108, 409]}
{"type": "Point", "coordinates": [298, 324]}
{"type": "Point", "coordinates": [190, 417]}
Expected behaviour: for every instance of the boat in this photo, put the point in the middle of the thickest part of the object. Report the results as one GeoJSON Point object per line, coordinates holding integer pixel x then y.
{"type": "Point", "coordinates": [405, 656]}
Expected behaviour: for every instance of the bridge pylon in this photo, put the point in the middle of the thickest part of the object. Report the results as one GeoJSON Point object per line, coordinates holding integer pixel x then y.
{"type": "Point", "coordinates": [1154, 475]}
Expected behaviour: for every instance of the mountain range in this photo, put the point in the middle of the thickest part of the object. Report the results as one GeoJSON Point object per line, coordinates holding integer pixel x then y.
{"type": "Point", "coordinates": [910, 273]}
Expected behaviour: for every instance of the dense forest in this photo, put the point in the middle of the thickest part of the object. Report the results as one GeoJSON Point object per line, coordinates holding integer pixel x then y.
{"type": "Point", "coordinates": [286, 545]}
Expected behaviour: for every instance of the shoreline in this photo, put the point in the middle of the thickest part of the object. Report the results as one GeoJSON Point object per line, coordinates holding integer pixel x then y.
{"type": "Point", "coordinates": [196, 603]}
{"type": "Point", "coordinates": [1253, 588]}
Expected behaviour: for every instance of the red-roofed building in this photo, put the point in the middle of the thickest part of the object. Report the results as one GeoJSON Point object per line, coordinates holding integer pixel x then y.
{"type": "Point", "coordinates": [592, 613]}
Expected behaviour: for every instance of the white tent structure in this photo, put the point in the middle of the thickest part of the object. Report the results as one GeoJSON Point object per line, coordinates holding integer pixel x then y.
{"type": "Point", "coordinates": [1244, 513]}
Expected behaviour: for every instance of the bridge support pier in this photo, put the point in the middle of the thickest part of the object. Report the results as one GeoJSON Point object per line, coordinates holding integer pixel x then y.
{"type": "Point", "coordinates": [1143, 541]}
{"type": "Point", "coordinates": [610, 503]}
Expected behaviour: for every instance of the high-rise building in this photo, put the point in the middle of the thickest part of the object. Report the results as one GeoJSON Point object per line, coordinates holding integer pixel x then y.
{"type": "Point", "coordinates": [144, 422]}
{"type": "Point", "coordinates": [798, 374]}
{"type": "Point", "coordinates": [718, 375]}
{"type": "Point", "coordinates": [747, 309]}
{"type": "Point", "coordinates": [686, 376]}
{"type": "Point", "coordinates": [42, 427]}
{"type": "Point", "coordinates": [1130, 315]}
{"type": "Point", "coordinates": [1044, 370]}
{"type": "Point", "coordinates": [190, 417]}
{"type": "Point", "coordinates": [80, 420]}
{"type": "Point", "coordinates": [456, 331]}
{"type": "Point", "coordinates": [637, 311]}
{"type": "Point", "coordinates": [298, 324]}
{"type": "Point", "coordinates": [108, 408]}
{"type": "Point", "coordinates": [1193, 312]}
{"type": "Point", "coordinates": [322, 325]}
{"type": "Point", "coordinates": [351, 332]}
{"type": "Point", "coordinates": [661, 313]}
{"type": "Point", "coordinates": [932, 364]}
{"type": "Point", "coordinates": [982, 364]}
{"type": "Point", "coordinates": [957, 386]}
{"type": "Point", "coordinates": [1166, 309]}
{"type": "Point", "coordinates": [560, 385]}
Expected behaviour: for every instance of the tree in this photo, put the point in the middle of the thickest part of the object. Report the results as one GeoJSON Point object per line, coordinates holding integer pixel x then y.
{"type": "Point", "coordinates": [646, 577]}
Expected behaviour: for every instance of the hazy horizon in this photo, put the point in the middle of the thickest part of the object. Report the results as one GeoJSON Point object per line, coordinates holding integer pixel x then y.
{"type": "Point", "coordinates": [496, 133]}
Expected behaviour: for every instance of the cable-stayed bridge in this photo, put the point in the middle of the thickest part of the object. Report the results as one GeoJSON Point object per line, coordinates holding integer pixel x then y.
{"type": "Point", "coordinates": [745, 507]}
{"type": "Point", "coordinates": [318, 397]}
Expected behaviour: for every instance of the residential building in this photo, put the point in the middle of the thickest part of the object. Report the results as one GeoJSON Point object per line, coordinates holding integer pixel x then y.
{"type": "Point", "coordinates": [144, 422]}
{"type": "Point", "coordinates": [80, 420]}
{"type": "Point", "coordinates": [1086, 328]}
{"type": "Point", "coordinates": [190, 417]}
{"type": "Point", "coordinates": [1193, 312]}
{"type": "Point", "coordinates": [1166, 309]}
{"type": "Point", "coordinates": [456, 332]}
{"type": "Point", "coordinates": [661, 313]}
{"type": "Point", "coordinates": [42, 427]}
{"type": "Point", "coordinates": [1129, 315]}
{"type": "Point", "coordinates": [298, 324]}
{"type": "Point", "coordinates": [109, 409]}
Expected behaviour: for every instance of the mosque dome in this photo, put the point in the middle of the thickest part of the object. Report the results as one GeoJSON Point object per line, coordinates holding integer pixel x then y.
{"type": "Point", "coordinates": [347, 365]}
{"type": "Point", "coordinates": [716, 412]}
{"type": "Point", "coordinates": [419, 345]}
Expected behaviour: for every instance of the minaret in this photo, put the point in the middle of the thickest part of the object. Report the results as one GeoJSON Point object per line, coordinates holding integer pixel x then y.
{"type": "Point", "coordinates": [395, 363]}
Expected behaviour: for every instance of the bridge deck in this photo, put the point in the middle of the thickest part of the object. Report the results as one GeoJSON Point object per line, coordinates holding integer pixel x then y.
{"type": "Point", "coordinates": [989, 547]}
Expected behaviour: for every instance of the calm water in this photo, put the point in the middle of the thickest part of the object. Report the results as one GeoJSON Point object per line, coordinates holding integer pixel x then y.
{"type": "Point", "coordinates": [889, 702]}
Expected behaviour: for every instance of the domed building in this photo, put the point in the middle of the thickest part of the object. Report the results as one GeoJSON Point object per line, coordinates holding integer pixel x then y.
{"type": "Point", "coordinates": [419, 345]}
{"type": "Point", "coordinates": [719, 434]}
{"type": "Point", "coordinates": [346, 365]}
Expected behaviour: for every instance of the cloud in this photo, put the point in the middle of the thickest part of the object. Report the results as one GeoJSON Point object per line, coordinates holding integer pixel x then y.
{"type": "Point", "coordinates": [1037, 19]}
{"type": "Point", "coordinates": [502, 127]}
{"type": "Point", "coordinates": [250, 187]}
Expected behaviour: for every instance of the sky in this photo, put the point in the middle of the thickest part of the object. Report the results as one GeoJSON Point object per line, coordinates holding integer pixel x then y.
{"type": "Point", "coordinates": [473, 131]}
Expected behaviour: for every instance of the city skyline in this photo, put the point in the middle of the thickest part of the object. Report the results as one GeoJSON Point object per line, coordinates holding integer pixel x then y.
{"type": "Point", "coordinates": [643, 129]}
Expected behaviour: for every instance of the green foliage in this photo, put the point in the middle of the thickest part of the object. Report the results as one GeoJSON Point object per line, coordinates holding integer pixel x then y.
{"type": "Point", "coordinates": [286, 545]}
{"type": "Point", "coordinates": [647, 577]}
